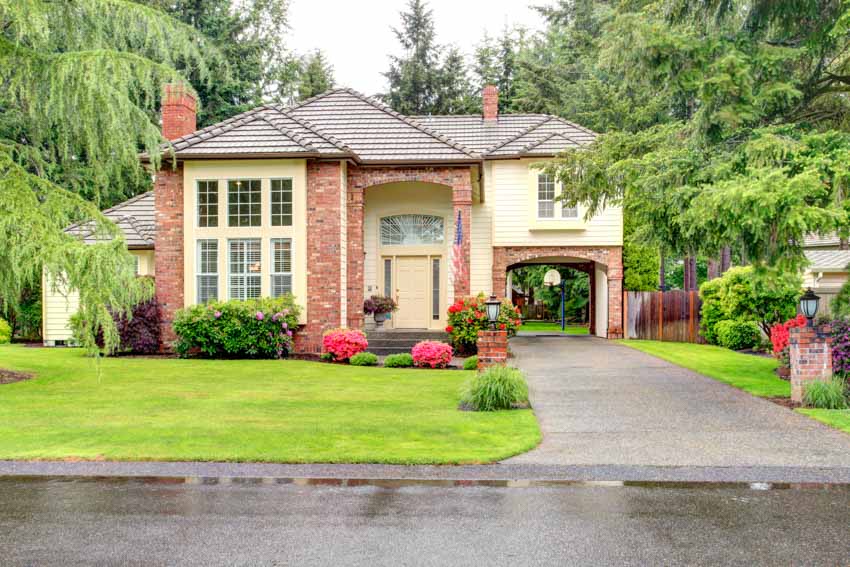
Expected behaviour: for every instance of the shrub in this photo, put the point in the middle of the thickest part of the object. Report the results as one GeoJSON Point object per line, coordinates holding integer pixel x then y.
{"type": "Point", "coordinates": [737, 335]}
{"type": "Point", "coordinates": [364, 359]}
{"type": "Point", "coordinates": [342, 344]}
{"type": "Point", "coordinates": [468, 315]}
{"type": "Point", "coordinates": [433, 354]}
{"type": "Point", "coordinates": [255, 328]}
{"type": "Point", "coordinates": [742, 295]}
{"type": "Point", "coordinates": [5, 332]}
{"type": "Point", "coordinates": [496, 388]}
{"type": "Point", "coordinates": [137, 334]}
{"type": "Point", "coordinates": [841, 346]}
{"type": "Point", "coordinates": [780, 335]}
{"type": "Point", "coordinates": [379, 304]}
{"type": "Point", "coordinates": [401, 360]}
{"type": "Point", "coordinates": [471, 363]}
{"type": "Point", "coordinates": [326, 357]}
{"type": "Point", "coordinates": [826, 395]}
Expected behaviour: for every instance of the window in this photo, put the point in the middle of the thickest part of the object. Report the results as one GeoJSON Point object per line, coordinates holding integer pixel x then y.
{"type": "Point", "coordinates": [207, 258]}
{"type": "Point", "coordinates": [245, 269]}
{"type": "Point", "coordinates": [411, 230]}
{"type": "Point", "coordinates": [281, 202]}
{"type": "Point", "coordinates": [281, 266]}
{"type": "Point", "coordinates": [545, 196]}
{"type": "Point", "coordinates": [207, 204]}
{"type": "Point", "coordinates": [243, 202]}
{"type": "Point", "coordinates": [435, 289]}
{"type": "Point", "coordinates": [568, 212]}
{"type": "Point", "coordinates": [388, 277]}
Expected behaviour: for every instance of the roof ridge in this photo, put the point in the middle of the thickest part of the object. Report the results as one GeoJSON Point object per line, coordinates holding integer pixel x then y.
{"type": "Point", "coordinates": [127, 202]}
{"type": "Point", "coordinates": [410, 122]}
{"type": "Point", "coordinates": [331, 139]}
{"type": "Point", "coordinates": [534, 143]}
{"type": "Point", "coordinates": [576, 126]}
{"type": "Point", "coordinates": [228, 123]}
{"type": "Point", "coordinates": [134, 223]}
{"type": "Point", "coordinates": [294, 136]}
{"type": "Point", "coordinates": [522, 133]}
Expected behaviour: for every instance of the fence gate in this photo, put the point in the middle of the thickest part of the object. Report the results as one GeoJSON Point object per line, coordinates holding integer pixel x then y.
{"type": "Point", "coordinates": [663, 316]}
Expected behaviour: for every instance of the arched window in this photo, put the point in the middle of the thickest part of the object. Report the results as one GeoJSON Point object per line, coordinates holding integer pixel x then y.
{"type": "Point", "coordinates": [411, 230]}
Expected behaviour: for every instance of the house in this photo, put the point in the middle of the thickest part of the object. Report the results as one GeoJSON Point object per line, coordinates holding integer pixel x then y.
{"type": "Point", "coordinates": [828, 269]}
{"type": "Point", "coordinates": [339, 197]}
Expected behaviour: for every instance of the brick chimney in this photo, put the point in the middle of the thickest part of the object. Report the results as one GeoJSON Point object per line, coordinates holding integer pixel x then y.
{"type": "Point", "coordinates": [490, 96]}
{"type": "Point", "coordinates": [178, 111]}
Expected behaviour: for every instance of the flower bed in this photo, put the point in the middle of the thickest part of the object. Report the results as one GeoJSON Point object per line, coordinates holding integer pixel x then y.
{"type": "Point", "coordinates": [468, 315]}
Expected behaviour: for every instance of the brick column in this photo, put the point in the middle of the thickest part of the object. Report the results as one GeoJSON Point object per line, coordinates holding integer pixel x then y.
{"type": "Point", "coordinates": [615, 293]}
{"type": "Point", "coordinates": [811, 357]}
{"type": "Point", "coordinates": [492, 348]}
{"type": "Point", "coordinates": [462, 202]}
{"type": "Point", "coordinates": [356, 257]}
{"type": "Point", "coordinates": [168, 258]}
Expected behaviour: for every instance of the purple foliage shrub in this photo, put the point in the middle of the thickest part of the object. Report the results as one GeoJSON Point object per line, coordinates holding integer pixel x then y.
{"type": "Point", "coordinates": [841, 346]}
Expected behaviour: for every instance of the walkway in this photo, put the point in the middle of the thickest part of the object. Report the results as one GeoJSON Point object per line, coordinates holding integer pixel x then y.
{"type": "Point", "coordinates": [601, 403]}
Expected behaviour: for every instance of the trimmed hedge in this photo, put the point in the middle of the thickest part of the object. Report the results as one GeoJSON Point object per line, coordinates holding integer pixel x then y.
{"type": "Point", "coordinates": [737, 335]}
{"type": "Point", "coordinates": [401, 360]}
{"type": "Point", "coordinates": [364, 359]}
{"type": "Point", "coordinates": [471, 363]}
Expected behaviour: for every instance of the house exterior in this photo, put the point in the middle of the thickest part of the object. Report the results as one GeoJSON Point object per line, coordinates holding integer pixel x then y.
{"type": "Point", "coordinates": [828, 269]}
{"type": "Point", "coordinates": [339, 198]}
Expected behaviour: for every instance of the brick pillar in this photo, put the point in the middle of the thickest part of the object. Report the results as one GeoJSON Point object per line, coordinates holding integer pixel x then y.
{"type": "Point", "coordinates": [324, 258]}
{"type": "Point", "coordinates": [500, 274]}
{"type": "Point", "coordinates": [179, 111]}
{"type": "Point", "coordinates": [615, 293]}
{"type": "Point", "coordinates": [811, 357]}
{"type": "Point", "coordinates": [168, 259]}
{"type": "Point", "coordinates": [492, 348]}
{"type": "Point", "coordinates": [462, 202]}
{"type": "Point", "coordinates": [356, 256]}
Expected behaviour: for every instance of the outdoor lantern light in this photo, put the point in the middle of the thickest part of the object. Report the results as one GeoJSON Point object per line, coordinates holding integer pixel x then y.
{"type": "Point", "coordinates": [809, 304]}
{"type": "Point", "coordinates": [493, 308]}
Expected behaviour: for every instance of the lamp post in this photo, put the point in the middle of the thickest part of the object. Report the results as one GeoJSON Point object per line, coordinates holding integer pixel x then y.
{"type": "Point", "coordinates": [809, 305]}
{"type": "Point", "coordinates": [493, 307]}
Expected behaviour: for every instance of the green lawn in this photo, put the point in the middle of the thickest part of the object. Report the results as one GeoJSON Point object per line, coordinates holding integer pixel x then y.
{"type": "Point", "coordinates": [275, 411]}
{"type": "Point", "coordinates": [541, 326]}
{"type": "Point", "coordinates": [839, 419]}
{"type": "Point", "coordinates": [753, 374]}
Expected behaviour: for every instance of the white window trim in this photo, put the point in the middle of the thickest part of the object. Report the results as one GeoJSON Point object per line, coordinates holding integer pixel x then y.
{"type": "Point", "coordinates": [291, 201]}
{"type": "Point", "coordinates": [198, 264]}
{"type": "Point", "coordinates": [557, 204]}
{"type": "Point", "coordinates": [273, 273]}
{"type": "Point", "coordinates": [198, 203]}
{"type": "Point", "coordinates": [227, 193]}
{"type": "Point", "coordinates": [553, 200]}
{"type": "Point", "coordinates": [245, 275]}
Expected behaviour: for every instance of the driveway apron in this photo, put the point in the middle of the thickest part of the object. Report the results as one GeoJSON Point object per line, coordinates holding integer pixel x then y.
{"type": "Point", "coordinates": [602, 403]}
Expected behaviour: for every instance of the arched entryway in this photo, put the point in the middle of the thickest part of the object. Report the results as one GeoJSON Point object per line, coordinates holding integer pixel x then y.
{"type": "Point", "coordinates": [542, 306]}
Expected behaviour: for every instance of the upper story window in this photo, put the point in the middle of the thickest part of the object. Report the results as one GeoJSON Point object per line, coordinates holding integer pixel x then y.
{"type": "Point", "coordinates": [243, 202]}
{"type": "Point", "coordinates": [545, 196]}
{"type": "Point", "coordinates": [411, 230]}
{"type": "Point", "coordinates": [281, 197]}
{"type": "Point", "coordinates": [207, 204]}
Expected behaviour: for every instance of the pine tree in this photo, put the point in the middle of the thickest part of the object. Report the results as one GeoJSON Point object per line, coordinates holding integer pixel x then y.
{"type": "Point", "coordinates": [316, 75]}
{"type": "Point", "coordinates": [456, 94]}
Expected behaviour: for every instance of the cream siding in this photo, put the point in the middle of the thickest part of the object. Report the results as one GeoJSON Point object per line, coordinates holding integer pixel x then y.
{"type": "Point", "coordinates": [265, 170]}
{"type": "Point", "coordinates": [481, 249]}
{"type": "Point", "coordinates": [601, 295]}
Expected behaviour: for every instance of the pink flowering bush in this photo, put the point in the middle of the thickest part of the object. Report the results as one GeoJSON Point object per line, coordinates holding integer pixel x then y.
{"type": "Point", "coordinates": [342, 344]}
{"type": "Point", "coordinates": [432, 354]}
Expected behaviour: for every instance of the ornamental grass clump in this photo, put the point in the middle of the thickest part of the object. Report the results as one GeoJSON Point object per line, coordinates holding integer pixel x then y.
{"type": "Point", "coordinates": [431, 354]}
{"type": "Point", "coordinates": [496, 388]}
{"type": "Point", "coordinates": [342, 344]}
{"type": "Point", "coordinates": [831, 394]}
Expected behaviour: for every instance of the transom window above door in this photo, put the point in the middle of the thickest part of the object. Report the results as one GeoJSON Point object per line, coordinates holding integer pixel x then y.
{"type": "Point", "coordinates": [412, 230]}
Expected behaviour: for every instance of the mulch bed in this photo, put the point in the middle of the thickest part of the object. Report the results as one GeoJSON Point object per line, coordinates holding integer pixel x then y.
{"type": "Point", "coordinates": [10, 376]}
{"type": "Point", "coordinates": [785, 402]}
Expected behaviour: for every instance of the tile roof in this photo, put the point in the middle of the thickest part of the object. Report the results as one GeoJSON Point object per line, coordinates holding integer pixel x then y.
{"type": "Point", "coordinates": [828, 260]}
{"type": "Point", "coordinates": [821, 241]}
{"type": "Point", "coordinates": [135, 218]}
{"type": "Point", "coordinates": [345, 123]}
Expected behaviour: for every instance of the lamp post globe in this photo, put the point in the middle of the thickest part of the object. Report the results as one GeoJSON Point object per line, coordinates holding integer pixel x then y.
{"type": "Point", "coordinates": [493, 307]}
{"type": "Point", "coordinates": [809, 304]}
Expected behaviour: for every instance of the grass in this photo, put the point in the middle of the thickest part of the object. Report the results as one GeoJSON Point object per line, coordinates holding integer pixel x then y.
{"type": "Point", "coordinates": [753, 374]}
{"type": "Point", "coordinates": [542, 326]}
{"type": "Point", "coordinates": [258, 410]}
{"type": "Point", "coordinates": [839, 419]}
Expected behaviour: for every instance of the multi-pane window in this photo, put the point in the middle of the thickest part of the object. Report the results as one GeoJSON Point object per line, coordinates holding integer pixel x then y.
{"type": "Point", "coordinates": [411, 230]}
{"type": "Point", "coordinates": [244, 268]}
{"type": "Point", "coordinates": [569, 212]}
{"type": "Point", "coordinates": [435, 289]}
{"type": "Point", "coordinates": [281, 273]}
{"type": "Point", "coordinates": [207, 204]}
{"type": "Point", "coordinates": [243, 202]}
{"type": "Point", "coordinates": [281, 197]}
{"type": "Point", "coordinates": [545, 196]}
{"type": "Point", "coordinates": [207, 271]}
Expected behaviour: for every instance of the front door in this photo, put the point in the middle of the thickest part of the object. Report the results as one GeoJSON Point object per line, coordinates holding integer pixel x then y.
{"type": "Point", "coordinates": [411, 292]}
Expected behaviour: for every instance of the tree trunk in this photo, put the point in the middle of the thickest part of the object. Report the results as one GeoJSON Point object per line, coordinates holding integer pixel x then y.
{"type": "Point", "coordinates": [725, 259]}
{"type": "Point", "coordinates": [713, 268]}
{"type": "Point", "coordinates": [690, 273]}
{"type": "Point", "coordinates": [662, 274]}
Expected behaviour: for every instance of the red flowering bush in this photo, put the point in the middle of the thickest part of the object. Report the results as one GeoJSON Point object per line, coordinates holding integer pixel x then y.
{"type": "Point", "coordinates": [780, 335]}
{"type": "Point", "coordinates": [342, 344]}
{"type": "Point", "coordinates": [468, 315]}
{"type": "Point", "coordinates": [432, 354]}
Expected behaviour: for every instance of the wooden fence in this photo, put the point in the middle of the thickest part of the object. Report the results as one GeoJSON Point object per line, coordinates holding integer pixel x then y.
{"type": "Point", "coordinates": [666, 316]}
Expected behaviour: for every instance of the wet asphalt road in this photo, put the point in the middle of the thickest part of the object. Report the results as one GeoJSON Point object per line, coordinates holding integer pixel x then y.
{"type": "Point", "coordinates": [74, 522]}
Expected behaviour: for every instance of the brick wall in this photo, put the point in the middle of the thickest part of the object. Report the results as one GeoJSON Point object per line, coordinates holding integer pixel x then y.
{"type": "Point", "coordinates": [492, 348]}
{"type": "Point", "coordinates": [811, 357]}
{"type": "Point", "coordinates": [178, 111]}
{"type": "Point", "coordinates": [356, 256]}
{"type": "Point", "coordinates": [168, 259]}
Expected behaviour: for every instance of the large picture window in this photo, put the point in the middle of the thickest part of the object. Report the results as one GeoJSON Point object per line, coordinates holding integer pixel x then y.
{"type": "Point", "coordinates": [411, 230]}
{"type": "Point", "coordinates": [207, 204]}
{"type": "Point", "coordinates": [243, 202]}
{"type": "Point", "coordinates": [281, 273]}
{"type": "Point", "coordinates": [245, 268]}
{"type": "Point", "coordinates": [545, 196]}
{"type": "Point", "coordinates": [281, 197]}
{"type": "Point", "coordinates": [207, 270]}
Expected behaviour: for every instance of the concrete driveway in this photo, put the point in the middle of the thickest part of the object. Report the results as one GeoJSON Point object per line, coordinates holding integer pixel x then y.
{"type": "Point", "coordinates": [601, 403]}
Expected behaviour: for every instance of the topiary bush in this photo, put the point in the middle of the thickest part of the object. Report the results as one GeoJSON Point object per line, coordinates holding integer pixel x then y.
{"type": "Point", "coordinates": [468, 315]}
{"type": "Point", "coordinates": [471, 363]}
{"type": "Point", "coordinates": [255, 328]}
{"type": "Point", "coordinates": [5, 332]}
{"type": "Point", "coordinates": [737, 335]}
{"type": "Point", "coordinates": [826, 395]}
{"type": "Point", "coordinates": [401, 360]}
{"type": "Point", "coordinates": [342, 344]}
{"type": "Point", "coordinates": [363, 359]}
{"type": "Point", "coordinates": [431, 354]}
{"type": "Point", "coordinates": [496, 388]}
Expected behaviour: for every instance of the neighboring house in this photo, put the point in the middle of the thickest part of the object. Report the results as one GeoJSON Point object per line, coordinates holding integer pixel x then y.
{"type": "Point", "coordinates": [339, 198]}
{"type": "Point", "coordinates": [828, 268]}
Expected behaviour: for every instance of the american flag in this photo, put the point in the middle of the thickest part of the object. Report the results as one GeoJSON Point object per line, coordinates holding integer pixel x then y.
{"type": "Point", "coordinates": [458, 259]}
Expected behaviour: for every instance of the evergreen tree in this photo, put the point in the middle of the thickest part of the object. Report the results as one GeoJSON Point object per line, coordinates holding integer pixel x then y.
{"type": "Point", "coordinates": [496, 64]}
{"type": "Point", "coordinates": [455, 94]}
{"type": "Point", "coordinates": [316, 75]}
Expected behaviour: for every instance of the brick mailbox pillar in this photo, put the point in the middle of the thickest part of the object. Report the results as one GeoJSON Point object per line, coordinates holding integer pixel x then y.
{"type": "Point", "coordinates": [492, 348]}
{"type": "Point", "coordinates": [811, 357]}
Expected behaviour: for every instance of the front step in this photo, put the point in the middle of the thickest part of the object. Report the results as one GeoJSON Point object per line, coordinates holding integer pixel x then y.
{"type": "Point", "coordinates": [388, 342]}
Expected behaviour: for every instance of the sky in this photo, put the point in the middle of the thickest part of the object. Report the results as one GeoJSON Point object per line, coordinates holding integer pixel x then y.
{"type": "Point", "coordinates": [356, 35]}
